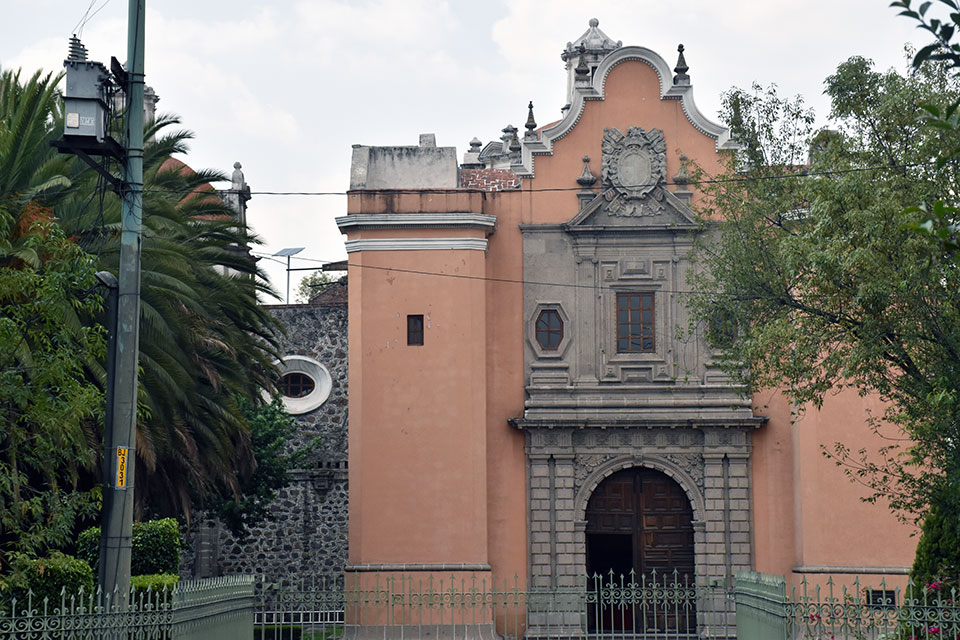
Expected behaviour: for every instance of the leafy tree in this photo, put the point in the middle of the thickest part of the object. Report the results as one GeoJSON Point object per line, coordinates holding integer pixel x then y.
{"type": "Point", "coordinates": [272, 430]}
{"type": "Point", "coordinates": [312, 284]}
{"type": "Point", "coordinates": [47, 403]}
{"type": "Point", "coordinates": [825, 286]}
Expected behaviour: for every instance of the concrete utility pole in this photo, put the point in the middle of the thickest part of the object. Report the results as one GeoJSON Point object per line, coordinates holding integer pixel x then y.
{"type": "Point", "coordinates": [117, 527]}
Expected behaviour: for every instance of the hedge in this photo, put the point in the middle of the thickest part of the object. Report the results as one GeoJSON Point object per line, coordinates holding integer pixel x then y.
{"type": "Point", "coordinates": [47, 578]}
{"type": "Point", "coordinates": [155, 547]}
{"type": "Point", "coordinates": [155, 582]}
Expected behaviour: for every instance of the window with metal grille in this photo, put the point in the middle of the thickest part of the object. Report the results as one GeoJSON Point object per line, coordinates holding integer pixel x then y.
{"type": "Point", "coordinates": [415, 330]}
{"type": "Point", "coordinates": [635, 322]}
{"type": "Point", "coordinates": [549, 329]}
{"type": "Point", "coordinates": [882, 598]}
{"type": "Point", "coordinates": [296, 385]}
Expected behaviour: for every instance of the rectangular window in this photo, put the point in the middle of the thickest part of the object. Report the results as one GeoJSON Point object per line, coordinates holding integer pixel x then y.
{"type": "Point", "coordinates": [415, 330]}
{"type": "Point", "coordinates": [882, 598]}
{"type": "Point", "coordinates": [635, 323]}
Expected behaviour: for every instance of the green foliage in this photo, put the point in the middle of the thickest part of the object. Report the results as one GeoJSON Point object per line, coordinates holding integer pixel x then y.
{"type": "Point", "coordinates": [205, 338]}
{"type": "Point", "coordinates": [88, 547]}
{"type": "Point", "coordinates": [825, 285]}
{"type": "Point", "coordinates": [938, 552]}
{"type": "Point", "coordinates": [48, 405]}
{"type": "Point", "coordinates": [47, 578]}
{"type": "Point", "coordinates": [155, 547]}
{"type": "Point", "coordinates": [271, 431]}
{"type": "Point", "coordinates": [154, 582]}
{"type": "Point", "coordinates": [313, 284]}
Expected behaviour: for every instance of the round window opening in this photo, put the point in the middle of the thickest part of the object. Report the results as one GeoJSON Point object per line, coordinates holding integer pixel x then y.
{"type": "Point", "coordinates": [304, 383]}
{"type": "Point", "coordinates": [296, 385]}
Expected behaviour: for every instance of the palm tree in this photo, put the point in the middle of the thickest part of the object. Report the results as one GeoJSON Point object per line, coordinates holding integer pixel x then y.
{"type": "Point", "coordinates": [205, 340]}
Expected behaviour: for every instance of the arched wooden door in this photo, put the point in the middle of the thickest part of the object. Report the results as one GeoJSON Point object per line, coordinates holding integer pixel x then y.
{"type": "Point", "coordinates": [638, 520]}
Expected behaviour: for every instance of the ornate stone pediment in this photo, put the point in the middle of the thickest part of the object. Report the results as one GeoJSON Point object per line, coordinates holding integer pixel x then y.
{"type": "Point", "coordinates": [634, 171]}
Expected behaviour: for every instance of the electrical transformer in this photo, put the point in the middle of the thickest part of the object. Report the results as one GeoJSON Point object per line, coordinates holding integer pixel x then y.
{"type": "Point", "coordinates": [85, 101]}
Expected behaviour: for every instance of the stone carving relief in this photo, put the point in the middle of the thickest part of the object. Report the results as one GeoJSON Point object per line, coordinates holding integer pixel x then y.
{"type": "Point", "coordinates": [634, 170]}
{"type": "Point", "coordinates": [691, 463]}
{"type": "Point", "coordinates": [584, 464]}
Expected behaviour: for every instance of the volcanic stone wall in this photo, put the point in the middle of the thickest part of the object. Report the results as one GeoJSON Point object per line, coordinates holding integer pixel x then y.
{"type": "Point", "coordinates": [306, 537]}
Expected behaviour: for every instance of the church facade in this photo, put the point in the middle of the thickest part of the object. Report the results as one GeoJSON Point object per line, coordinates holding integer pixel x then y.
{"type": "Point", "coordinates": [524, 396]}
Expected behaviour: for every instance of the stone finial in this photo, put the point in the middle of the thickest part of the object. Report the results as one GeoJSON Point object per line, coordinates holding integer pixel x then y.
{"type": "Point", "coordinates": [515, 145]}
{"type": "Point", "coordinates": [237, 177]}
{"type": "Point", "coordinates": [78, 52]}
{"type": "Point", "coordinates": [531, 123]}
{"type": "Point", "coordinates": [586, 179]}
{"type": "Point", "coordinates": [596, 42]}
{"type": "Point", "coordinates": [682, 78]}
{"type": "Point", "coordinates": [583, 70]}
{"type": "Point", "coordinates": [683, 176]}
{"type": "Point", "coordinates": [475, 145]}
{"type": "Point", "coordinates": [150, 100]}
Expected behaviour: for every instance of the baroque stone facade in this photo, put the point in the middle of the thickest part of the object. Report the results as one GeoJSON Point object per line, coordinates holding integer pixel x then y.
{"type": "Point", "coordinates": [306, 536]}
{"type": "Point", "coordinates": [623, 392]}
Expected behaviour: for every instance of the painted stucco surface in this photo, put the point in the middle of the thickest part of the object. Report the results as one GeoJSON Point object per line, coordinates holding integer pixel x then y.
{"type": "Point", "coordinates": [454, 458]}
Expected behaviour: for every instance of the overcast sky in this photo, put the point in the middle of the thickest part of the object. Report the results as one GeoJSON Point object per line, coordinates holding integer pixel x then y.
{"type": "Point", "coordinates": [287, 87]}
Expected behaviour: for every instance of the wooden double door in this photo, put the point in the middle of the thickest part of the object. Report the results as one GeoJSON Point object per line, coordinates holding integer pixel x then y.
{"type": "Point", "coordinates": [639, 520]}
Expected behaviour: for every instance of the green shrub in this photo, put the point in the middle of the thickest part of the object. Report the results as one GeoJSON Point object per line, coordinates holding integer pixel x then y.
{"type": "Point", "coordinates": [47, 578]}
{"type": "Point", "coordinates": [938, 552]}
{"type": "Point", "coordinates": [155, 547]}
{"type": "Point", "coordinates": [88, 547]}
{"type": "Point", "coordinates": [155, 582]}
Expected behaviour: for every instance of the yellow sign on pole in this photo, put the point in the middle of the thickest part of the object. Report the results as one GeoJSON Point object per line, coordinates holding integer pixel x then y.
{"type": "Point", "coordinates": [121, 468]}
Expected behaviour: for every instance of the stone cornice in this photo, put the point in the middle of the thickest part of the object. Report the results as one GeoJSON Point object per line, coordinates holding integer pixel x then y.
{"type": "Point", "coordinates": [902, 571]}
{"type": "Point", "coordinates": [527, 424]}
{"type": "Point", "coordinates": [454, 220]}
{"type": "Point", "coordinates": [416, 244]}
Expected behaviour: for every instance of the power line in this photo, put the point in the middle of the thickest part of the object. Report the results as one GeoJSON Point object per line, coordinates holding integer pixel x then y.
{"type": "Point", "coordinates": [460, 276]}
{"type": "Point", "coordinates": [744, 179]}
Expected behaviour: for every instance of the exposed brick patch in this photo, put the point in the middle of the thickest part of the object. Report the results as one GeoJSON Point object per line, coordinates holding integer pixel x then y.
{"type": "Point", "coordinates": [333, 293]}
{"type": "Point", "coordinates": [489, 179]}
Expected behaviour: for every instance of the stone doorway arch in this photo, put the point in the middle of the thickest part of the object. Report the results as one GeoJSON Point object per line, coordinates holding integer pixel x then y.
{"type": "Point", "coordinates": [639, 522]}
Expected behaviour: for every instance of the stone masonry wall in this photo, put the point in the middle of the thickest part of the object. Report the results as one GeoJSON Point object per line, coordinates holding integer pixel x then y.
{"type": "Point", "coordinates": [306, 537]}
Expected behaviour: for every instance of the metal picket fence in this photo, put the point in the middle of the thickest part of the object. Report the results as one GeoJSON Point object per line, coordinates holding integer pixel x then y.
{"type": "Point", "coordinates": [624, 607]}
{"type": "Point", "coordinates": [767, 610]}
{"type": "Point", "coordinates": [215, 608]}
{"type": "Point", "coordinates": [397, 606]}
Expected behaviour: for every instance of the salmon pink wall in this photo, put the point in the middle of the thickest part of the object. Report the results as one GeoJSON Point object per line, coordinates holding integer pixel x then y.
{"type": "Point", "coordinates": [807, 512]}
{"type": "Point", "coordinates": [418, 432]}
{"type": "Point", "coordinates": [631, 99]}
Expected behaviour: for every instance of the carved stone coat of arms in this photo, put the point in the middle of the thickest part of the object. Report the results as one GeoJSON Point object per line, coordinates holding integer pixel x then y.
{"type": "Point", "coordinates": [634, 171]}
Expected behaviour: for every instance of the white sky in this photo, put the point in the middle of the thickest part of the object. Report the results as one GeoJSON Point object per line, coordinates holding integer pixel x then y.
{"type": "Point", "coordinates": [287, 87]}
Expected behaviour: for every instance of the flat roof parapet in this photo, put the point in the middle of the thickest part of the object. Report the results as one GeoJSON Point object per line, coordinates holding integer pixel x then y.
{"type": "Point", "coordinates": [425, 166]}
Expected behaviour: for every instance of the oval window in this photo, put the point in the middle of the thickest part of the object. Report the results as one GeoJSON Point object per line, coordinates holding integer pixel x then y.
{"type": "Point", "coordinates": [304, 384]}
